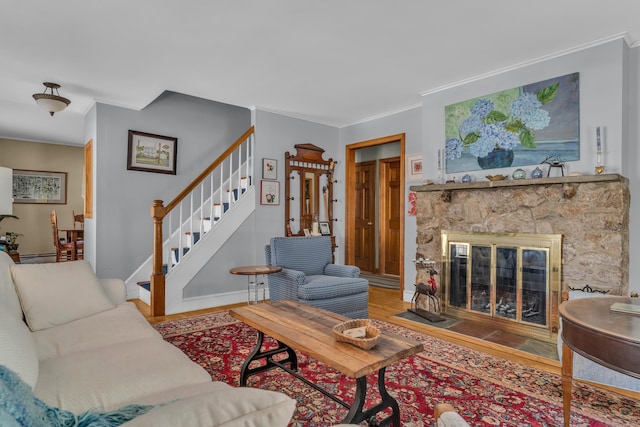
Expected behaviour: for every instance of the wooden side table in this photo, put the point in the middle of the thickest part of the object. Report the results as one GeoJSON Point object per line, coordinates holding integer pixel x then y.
{"type": "Point", "coordinates": [254, 283]}
{"type": "Point", "coordinates": [609, 338]}
{"type": "Point", "coordinates": [15, 256]}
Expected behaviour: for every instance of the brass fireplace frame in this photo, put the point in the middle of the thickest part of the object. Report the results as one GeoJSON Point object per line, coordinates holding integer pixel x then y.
{"type": "Point", "coordinates": [551, 243]}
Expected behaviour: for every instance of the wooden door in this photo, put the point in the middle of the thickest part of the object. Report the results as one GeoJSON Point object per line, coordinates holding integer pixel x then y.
{"type": "Point", "coordinates": [390, 196]}
{"type": "Point", "coordinates": [365, 216]}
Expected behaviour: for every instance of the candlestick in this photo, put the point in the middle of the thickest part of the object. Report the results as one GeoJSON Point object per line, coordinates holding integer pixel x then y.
{"type": "Point", "coordinates": [599, 167]}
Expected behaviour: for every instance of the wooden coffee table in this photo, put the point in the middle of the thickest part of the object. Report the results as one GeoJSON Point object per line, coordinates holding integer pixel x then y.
{"type": "Point", "coordinates": [301, 327]}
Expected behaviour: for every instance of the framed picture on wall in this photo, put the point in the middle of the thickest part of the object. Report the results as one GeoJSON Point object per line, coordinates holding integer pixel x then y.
{"type": "Point", "coordinates": [152, 153]}
{"type": "Point", "coordinates": [325, 230]}
{"type": "Point", "coordinates": [269, 192]}
{"type": "Point", "coordinates": [39, 187]}
{"type": "Point", "coordinates": [414, 167]}
{"type": "Point", "coordinates": [269, 169]}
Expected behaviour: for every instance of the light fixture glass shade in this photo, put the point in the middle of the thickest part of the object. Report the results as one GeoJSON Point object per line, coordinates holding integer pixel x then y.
{"type": "Point", "coordinates": [6, 191]}
{"type": "Point", "coordinates": [51, 102]}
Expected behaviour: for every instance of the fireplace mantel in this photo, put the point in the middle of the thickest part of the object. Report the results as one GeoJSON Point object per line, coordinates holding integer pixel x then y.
{"type": "Point", "coordinates": [478, 185]}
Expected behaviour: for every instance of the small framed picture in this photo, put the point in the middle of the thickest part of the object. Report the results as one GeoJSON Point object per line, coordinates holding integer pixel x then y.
{"type": "Point", "coordinates": [269, 169]}
{"type": "Point", "coordinates": [414, 167]}
{"type": "Point", "coordinates": [307, 232]}
{"type": "Point", "coordinates": [325, 230]}
{"type": "Point", "coordinates": [152, 153]}
{"type": "Point", "coordinates": [269, 193]}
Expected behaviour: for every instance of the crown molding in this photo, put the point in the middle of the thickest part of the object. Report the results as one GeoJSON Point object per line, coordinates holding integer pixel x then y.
{"type": "Point", "coordinates": [624, 36]}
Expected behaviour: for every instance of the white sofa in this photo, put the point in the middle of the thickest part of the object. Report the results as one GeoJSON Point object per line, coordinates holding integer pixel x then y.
{"type": "Point", "coordinates": [80, 346]}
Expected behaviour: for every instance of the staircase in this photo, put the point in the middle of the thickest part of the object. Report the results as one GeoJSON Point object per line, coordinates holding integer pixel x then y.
{"type": "Point", "coordinates": [197, 223]}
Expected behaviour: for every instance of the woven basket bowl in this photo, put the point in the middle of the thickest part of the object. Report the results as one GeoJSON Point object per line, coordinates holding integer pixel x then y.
{"type": "Point", "coordinates": [366, 343]}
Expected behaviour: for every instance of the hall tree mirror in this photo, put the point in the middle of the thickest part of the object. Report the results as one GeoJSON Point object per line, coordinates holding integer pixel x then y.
{"type": "Point", "coordinates": [308, 191]}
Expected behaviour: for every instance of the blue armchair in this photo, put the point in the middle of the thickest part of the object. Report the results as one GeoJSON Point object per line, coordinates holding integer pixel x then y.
{"type": "Point", "coordinates": [309, 276]}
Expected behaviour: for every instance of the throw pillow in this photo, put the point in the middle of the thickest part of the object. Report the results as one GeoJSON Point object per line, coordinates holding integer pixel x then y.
{"type": "Point", "coordinates": [17, 350]}
{"type": "Point", "coordinates": [56, 293]}
{"type": "Point", "coordinates": [20, 407]}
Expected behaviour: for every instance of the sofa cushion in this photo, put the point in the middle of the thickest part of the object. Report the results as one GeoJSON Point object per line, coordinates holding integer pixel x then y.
{"type": "Point", "coordinates": [111, 377]}
{"type": "Point", "coordinates": [121, 324]}
{"type": "Point", "coordinates": [56, 293]}
{"type": "Point", "coordinates": [324, 287]}
{"type": "Point", "coordinates": [247, 407]}
{"type": "Point", "coordinates": [20, 407]}
{"type": "Point", "coordinates": [8, 298]}
{"type": "Point", "coordinates": [17, 351]}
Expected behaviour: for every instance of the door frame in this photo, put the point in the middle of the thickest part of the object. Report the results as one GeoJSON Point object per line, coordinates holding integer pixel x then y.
{"type": "Point", "coordinates": [350, 181]}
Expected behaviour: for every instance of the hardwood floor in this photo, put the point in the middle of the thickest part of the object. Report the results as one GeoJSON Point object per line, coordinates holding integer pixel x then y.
{"type": "Point", "coordinates": [385, 303]}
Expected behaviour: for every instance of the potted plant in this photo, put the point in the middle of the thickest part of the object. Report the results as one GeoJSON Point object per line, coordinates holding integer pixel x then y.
{"type": "Point", "coordinates": [10, 242]}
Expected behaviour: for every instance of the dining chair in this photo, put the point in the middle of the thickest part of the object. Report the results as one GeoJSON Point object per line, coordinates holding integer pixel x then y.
{"type": "Point", "coordinates": [78, 218]}
{"type": "Point", "coordinates": [65, 251]}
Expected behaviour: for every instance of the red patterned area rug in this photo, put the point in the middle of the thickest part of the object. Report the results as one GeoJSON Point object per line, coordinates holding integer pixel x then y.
{"type": "Point", "coordinates": [486, 390]}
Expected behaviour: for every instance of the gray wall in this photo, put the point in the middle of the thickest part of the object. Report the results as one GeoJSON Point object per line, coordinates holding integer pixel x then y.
{"type": "Point", "coordinates": [601, 104]}
{"type": "Point", "coordinates": [608, 97]}
{"type": "Point", "coordinates": [408, 122]}
{"type": "Point", "coordinates": [275, 135]}
{"type": "Point", "coordinates": [123, 198]}
{"type": "Point", "coordinates": [631, 161]}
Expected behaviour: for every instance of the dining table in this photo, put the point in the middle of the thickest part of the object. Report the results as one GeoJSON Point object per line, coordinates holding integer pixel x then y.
{"type": "Point", "coordinates": [73, 234]}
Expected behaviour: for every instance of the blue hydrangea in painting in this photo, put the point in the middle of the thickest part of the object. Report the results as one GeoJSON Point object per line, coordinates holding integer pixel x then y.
{"type": "Point", "coordinates": [519, 120]}
{"type": "Point", "coordinates": [487, 129]}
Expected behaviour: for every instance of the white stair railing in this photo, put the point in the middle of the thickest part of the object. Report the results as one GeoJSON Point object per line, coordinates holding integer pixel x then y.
{"type": "Point", "coordinates": [195, 211]}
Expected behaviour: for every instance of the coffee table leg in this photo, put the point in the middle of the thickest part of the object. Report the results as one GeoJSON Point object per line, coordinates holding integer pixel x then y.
{"type": "Point", "coordinates": [357, 415]}
{"type": "Point", "coordinates": [258, 354]}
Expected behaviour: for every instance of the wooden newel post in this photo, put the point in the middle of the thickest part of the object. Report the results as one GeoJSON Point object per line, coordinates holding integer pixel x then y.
{"type": "Point", "coordinates": [157, 281]}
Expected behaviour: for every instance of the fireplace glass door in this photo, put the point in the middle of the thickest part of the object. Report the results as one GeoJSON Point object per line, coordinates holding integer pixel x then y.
{"type": "Point", "coordinates": [500, 276]}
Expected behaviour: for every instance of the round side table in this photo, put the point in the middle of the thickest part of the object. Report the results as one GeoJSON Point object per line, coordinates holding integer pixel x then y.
{"type": "Point", "coordinates": [254, 283]}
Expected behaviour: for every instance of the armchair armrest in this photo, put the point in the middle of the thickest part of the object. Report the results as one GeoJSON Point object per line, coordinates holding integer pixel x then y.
{"type": "Point", "coordinates": [115, 289]}
{"type": "Point", "coordinates": [284, 284]}
{"type": "Point", "coordinates": [295, 276]}
{"type": "Point", "coordinates": [341, 270]}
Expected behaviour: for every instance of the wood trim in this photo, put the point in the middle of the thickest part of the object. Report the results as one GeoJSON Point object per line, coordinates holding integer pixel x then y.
{"type": "Point", "coordinates": [172, 204]}
{"type": "Point", "coordinates": [350, 157]}
{"type": "Point", "coordinates": [88, 179]}
{"type": "Point", "coordinates": [382, 203]}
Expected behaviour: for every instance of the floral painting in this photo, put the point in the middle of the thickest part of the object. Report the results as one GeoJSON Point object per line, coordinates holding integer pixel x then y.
{"type": "Point", "coordinates": [517, 127]}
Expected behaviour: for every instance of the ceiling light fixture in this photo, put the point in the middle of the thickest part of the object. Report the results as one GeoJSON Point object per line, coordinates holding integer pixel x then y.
{"type": "Point", "coordinates": [51, 102]}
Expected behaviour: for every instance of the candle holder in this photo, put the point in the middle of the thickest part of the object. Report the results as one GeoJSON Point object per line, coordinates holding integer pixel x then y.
{"type": "Point", "coordinates": [599, 166]}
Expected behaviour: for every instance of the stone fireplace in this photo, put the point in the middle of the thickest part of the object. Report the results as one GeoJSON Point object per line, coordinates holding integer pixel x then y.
{"type": "Point", "coordinates": [586, 219]}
